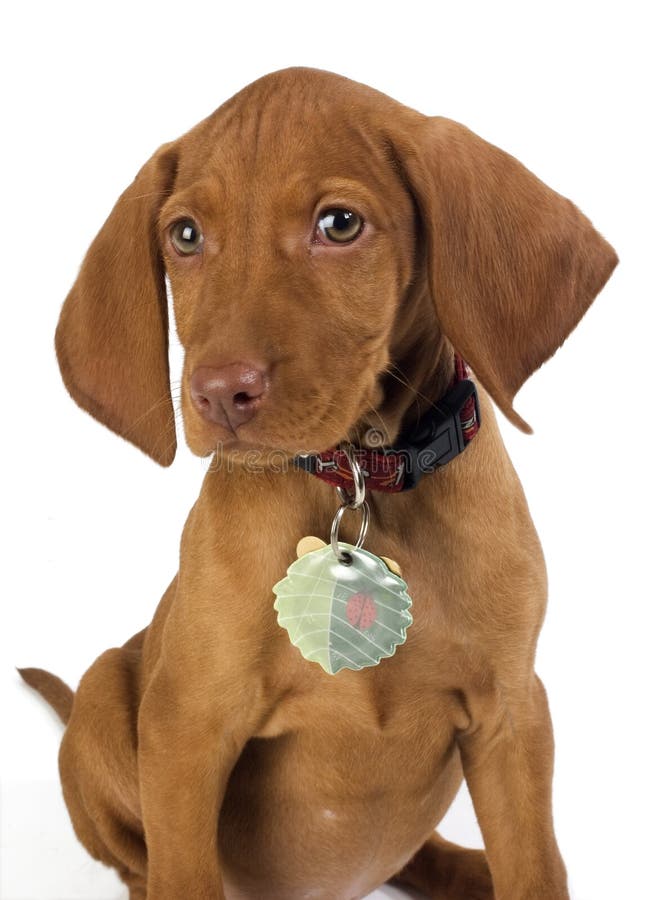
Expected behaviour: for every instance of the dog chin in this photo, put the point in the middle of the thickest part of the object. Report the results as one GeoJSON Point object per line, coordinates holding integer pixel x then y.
{"type": "Point", "coordinates": [262, 453]}
{"type": "Point", "coordinates": [266, 449]}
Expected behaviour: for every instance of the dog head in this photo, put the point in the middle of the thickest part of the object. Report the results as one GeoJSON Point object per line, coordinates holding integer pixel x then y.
{"type": "Point", "coordinates": [323, 244]}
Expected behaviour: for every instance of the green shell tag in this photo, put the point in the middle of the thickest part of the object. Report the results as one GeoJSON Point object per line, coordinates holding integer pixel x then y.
{"type": "Point", "coordinates": [343, 616]}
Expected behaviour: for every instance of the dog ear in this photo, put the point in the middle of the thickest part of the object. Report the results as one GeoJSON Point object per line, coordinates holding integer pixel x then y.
{"type": "Point", "coordinates": [112, 336]}
{"type": "Point", "coordinates": [512, 265]}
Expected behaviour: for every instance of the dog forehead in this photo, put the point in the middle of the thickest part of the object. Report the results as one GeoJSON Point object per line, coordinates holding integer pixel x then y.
{"type": "Point", "coordinates": [305, 95]}
{"type": "Point", "coordinates": [291, 121]}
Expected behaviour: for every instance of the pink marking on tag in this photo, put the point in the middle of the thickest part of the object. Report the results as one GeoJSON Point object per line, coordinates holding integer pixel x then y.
{"type": "Point", "coordinates": [360, 610]}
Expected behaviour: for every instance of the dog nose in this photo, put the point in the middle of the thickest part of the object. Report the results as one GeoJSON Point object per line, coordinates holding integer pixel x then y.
{"type": "Point", "coordinates": [228, 395]}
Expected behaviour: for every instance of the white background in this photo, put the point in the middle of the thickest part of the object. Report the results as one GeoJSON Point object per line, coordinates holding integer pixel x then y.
{"type": "Point", "coordinates": [92, 527]}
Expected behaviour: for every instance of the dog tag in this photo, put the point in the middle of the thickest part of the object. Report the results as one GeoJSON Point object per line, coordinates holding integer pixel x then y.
{"type": "Point", "coordinates": [343, 616]}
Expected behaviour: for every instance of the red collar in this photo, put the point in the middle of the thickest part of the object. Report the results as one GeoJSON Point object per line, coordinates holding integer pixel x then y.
{"type": "Point", "coordinates": [439, 436]}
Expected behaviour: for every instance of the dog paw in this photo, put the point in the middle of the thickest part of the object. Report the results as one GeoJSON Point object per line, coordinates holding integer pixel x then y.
{"type": "Point", "coordinates": [444, 871]}
{"type": "Point", "coordinates": [472, 880]}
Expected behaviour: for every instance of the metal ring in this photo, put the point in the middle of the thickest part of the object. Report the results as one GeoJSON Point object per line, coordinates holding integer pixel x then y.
{"type": "Point", "coordinates": [359, 481]}
{"type": "Point", "coordinates": [341, 555]}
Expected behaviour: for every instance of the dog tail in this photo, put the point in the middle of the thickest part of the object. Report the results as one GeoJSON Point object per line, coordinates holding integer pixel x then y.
{"type": "Point", "coordinates": [52, 689]}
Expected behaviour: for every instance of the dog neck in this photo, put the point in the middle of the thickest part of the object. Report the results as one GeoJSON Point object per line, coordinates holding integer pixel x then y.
{"type": "Point", "coordinates": [433, 439]}
{"type": "Point", "coordinates": [417, 379]}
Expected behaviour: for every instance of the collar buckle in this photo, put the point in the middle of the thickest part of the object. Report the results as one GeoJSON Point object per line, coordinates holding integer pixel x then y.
{"type": "Point", "coordinates": [442, 433]}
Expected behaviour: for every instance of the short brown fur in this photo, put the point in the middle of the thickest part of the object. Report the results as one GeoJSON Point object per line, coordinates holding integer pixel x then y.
{"type": "Point", "coordinates": [206, 758]}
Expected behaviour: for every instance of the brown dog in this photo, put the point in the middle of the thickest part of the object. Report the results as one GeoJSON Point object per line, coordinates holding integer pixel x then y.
{"type": "Point", "coordinates": [328, 250]}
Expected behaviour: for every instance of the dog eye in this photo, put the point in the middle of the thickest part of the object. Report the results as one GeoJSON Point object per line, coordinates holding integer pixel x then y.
{"type": "Point", "coordinates": [340, 225]}
{"type": "Point", "coordinates": [186, 237]}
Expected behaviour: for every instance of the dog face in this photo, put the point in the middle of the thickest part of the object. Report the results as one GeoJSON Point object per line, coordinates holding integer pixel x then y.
{"type": "Point", "coordinates": [322, 242]}
{"type": "Point", "coordinates": [303, 248]}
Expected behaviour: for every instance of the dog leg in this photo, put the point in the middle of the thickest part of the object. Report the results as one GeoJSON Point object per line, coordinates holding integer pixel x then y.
{"type": "Point", "coordinates": [136, 889]}
{"type": "Point", "coordinates": [443, 871]}
{"type": "Point", "coordinates": [97, 761]}
{"type": "Point", "coordinates": [193, 726]}
{"type": "Point", "coordinates": [507, 761]}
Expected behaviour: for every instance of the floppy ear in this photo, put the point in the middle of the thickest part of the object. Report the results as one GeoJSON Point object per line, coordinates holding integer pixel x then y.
{"type": "Point", "coordinates": [112, 336]}
{"type": "Point", "coordinates": [512, 265]}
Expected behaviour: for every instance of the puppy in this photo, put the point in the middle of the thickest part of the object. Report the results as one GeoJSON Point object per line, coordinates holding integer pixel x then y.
{"type": "Point", "coordinates": [335, 258]}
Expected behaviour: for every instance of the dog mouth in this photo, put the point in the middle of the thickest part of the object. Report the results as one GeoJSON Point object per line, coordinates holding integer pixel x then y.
{"type": "Point", "coordinates": [276, 436]}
